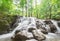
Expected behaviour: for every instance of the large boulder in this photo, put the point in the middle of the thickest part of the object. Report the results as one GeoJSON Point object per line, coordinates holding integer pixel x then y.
{"type": "Point", "coordinates": [19, 37]}
{"type": "Point", "coordinates": [4, 26]}
{"type": "Point", "coordinates": [22, 36]}
{"type": "Point", "coordinates": [7, 23]}
{"type": "Point", "coordinates": [38, 35]}
{"type": "Point", "coordinates": [53, 28]}
{"type": "Point", "coordinates": [41, 26]}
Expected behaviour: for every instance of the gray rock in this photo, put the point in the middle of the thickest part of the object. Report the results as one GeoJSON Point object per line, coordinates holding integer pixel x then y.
{"type": "Point", "coordinates": [53, 28]}
{"type": "Point", "coordinates": [38, 24]}
{"type": "Point", "coordinates": [22, 36]}
{"type": "Point", "coordinates": [48, 22]}
{"type": "Point", "coordinates": [31, 29]}
{"type": "Point", "coordinates": [38, 35]}
{"type": "Point", "coordinates": [44, 30]}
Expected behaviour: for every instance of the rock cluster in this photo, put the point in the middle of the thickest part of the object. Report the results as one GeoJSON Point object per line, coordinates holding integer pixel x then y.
{"type": "Point", "coordinates": [52, 27]}
{"type": "Point", "coordinates": [34, 31]}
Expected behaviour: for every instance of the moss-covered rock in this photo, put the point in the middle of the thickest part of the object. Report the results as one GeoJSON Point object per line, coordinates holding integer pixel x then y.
{"type": "Point", "coordinates": [6, 22]}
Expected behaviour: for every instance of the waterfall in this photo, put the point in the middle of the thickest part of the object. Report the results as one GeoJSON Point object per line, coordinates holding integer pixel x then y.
{"type": "Point", "coordinates": [28, 22]}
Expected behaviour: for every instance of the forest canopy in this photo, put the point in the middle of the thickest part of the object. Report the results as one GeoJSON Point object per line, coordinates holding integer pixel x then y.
{"type": "Point", "coordinates": [46, 9]}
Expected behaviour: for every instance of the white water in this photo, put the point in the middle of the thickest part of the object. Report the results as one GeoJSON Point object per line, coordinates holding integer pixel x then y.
{"type": "Point", "coordinates": [55, 23]}
{"type": "Point", "coordinates": [54, 36]}
{"type": "Point", "coordinates": [24, 23]}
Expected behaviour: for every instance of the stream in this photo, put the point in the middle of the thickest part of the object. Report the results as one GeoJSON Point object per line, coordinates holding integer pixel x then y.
{"type": "Point", "coordinates": [28, 22]}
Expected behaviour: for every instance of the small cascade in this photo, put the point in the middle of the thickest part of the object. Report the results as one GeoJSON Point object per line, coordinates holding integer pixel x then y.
{"type": "Point", "coordinates": [53, 36]}
{"type": "Point", "coordinates": [32, 29]}
{"type": "Point", "coordinates": [58, 28]}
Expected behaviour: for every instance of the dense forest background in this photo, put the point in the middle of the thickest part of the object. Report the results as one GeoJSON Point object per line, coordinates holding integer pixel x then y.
{"type": "Point", "coordinates": [10, 9]}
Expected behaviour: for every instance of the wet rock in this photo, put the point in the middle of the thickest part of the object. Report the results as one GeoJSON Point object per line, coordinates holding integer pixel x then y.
{"type": "Point", "coordinates": [38, 24]}
{"type": "Point", "coordinates": [15, 35]}
{"type": "Point", "coordinates": [48, 22]}
{"type": "Point", "coordinates": [8, 23]}
{"type": "Point", "coordinates": [31, 29]}
{"type": "Point", "coordinates": [19, 37]}
{"type": "Point", "coordinates": [38, 35]}
{"type": "Point", "coordinates": [22, 36]}
{"type": "Point", "coordinates": [44, 30]}
{"type": "Point", "coordinates": [4, 26]}
{"type": "Point", "coordinates": [53, 28]}
{"type": "Point", "coordinates": [58, 23]}
{"type": "Point", "coordinates": [15, 21]}
{"type": "Point", "coordinates": [17, 31]}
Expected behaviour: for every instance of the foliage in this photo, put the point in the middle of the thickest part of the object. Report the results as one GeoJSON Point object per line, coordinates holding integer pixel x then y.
{"type": "Point", "coordinates": [5, 6]}
{"type": "Point", "coordinates": [47, 9]}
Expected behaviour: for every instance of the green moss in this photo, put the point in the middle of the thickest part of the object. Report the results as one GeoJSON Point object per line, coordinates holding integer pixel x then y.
{"type": "Point", "coordinates": [5, 21]}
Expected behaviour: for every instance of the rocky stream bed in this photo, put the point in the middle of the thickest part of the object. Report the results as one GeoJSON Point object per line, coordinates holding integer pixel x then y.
{"type": "Point", "coordinates": [33, 29]}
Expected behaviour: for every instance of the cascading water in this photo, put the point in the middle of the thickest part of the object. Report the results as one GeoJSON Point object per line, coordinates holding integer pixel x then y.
{"type": "Point", "coordinates": [31, 22]}
{"type": "Point", "coordinates": [54, 36]}
{"type": "Point", "coordinates": [58, 28]}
